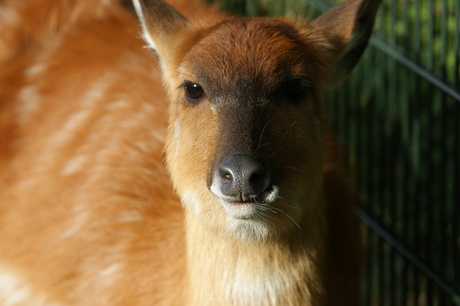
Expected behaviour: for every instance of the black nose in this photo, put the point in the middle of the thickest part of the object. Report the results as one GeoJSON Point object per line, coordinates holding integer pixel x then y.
{"type": "Point", "coordinates": [242, 177]}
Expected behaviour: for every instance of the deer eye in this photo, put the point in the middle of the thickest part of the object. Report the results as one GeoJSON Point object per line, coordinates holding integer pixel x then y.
{"type": "Point", "coordinates": [295, 90]}
{"type": "Point", "coordinates": [194, 93]}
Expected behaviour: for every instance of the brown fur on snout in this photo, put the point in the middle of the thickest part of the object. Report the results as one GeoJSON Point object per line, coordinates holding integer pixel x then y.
{"type": "Point", "coordinates": [106, 190]}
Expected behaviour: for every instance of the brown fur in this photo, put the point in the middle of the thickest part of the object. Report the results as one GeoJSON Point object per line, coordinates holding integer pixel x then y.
{"type": "Point", "coordinates": [88, 215]}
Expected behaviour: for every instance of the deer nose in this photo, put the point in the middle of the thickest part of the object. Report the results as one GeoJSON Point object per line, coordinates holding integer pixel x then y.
{"type": "Point", "coordinates": [242, 178]}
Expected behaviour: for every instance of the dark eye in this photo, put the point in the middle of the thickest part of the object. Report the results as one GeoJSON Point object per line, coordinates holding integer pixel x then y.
{"type": "Point", "coordinates": [194, 93]}
{"type": "Point", "coordinates": [295, 90]}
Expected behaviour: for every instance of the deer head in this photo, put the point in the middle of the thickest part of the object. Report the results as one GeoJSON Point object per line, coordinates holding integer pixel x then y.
{"type": "Point", "coordinates": [245, 145]}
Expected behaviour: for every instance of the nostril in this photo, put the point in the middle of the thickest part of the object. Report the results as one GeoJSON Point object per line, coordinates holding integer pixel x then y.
{"type": "Point", "coordinates": [259, 180]}
{"type": "Point", "coordinates": [225, 174]}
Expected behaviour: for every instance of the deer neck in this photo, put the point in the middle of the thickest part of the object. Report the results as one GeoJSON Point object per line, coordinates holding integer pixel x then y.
{"type": "Point", "coordinates": [284, 271]}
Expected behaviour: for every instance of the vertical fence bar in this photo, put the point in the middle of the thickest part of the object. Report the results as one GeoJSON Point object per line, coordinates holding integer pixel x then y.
{"type": "Point", "coordinates": [391, 194]}
{"type": "Point", "coordinates": [416, 33]}
{"type": "Point", "coordinates": [443, 57]}
{"type": "Point", "coordinates": [456, 199]}
{"type": "Point", "coordinates": [365, 166]}
{"type": "Point", "coordinates": [406, 132]}
{"type": "Point", "coordinates": [443, 218]}
{"type": "Point", "coordinates": [457, 44]}
{"type": "Point", "coordinates": [430, 55]}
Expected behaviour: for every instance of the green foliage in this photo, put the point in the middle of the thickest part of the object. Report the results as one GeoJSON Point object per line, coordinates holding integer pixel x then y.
{"type": "Point", "coordinates": [289, 8]}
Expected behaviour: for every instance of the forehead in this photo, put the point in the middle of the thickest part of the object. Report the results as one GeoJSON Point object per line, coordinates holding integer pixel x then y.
{"type": "Point", "coordinates": [247, 52]}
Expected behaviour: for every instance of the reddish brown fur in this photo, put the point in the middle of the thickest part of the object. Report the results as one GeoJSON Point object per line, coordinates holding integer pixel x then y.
{"type": "Point", "coordinates": [88, 215]}
{"type": "Point", "coordinates": [39, 203]}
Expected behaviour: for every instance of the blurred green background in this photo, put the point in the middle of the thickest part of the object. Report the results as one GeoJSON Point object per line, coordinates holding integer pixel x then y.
{"type": "Point", "coordinates": [399, 118]}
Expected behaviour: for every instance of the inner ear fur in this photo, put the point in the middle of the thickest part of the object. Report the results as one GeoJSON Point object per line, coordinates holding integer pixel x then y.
{"type": "Point", "coordinates": [346, 28]}
{"type": "Point", "coordinates": [162, 25]}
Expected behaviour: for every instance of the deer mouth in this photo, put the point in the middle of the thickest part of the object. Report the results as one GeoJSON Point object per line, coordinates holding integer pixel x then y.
{"type": "Point", "coordinates": [250, 207]}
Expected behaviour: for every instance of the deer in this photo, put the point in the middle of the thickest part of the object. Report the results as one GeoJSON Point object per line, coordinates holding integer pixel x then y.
{"type": "Point", "coordinates": [199, 170]}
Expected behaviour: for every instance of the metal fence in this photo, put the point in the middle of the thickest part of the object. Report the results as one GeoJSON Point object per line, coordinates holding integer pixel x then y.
{"type": "Point", "coordinates": [399, 116]}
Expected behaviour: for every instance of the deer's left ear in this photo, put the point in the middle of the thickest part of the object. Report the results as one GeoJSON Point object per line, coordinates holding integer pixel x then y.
{"type": "Point", "coordinates": [347, 28]}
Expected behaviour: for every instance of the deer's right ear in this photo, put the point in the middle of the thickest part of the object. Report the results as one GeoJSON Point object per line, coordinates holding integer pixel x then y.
{"type": "Point", "coordinates": [347, 27]}
{"type": "Point", "coordinates": [161, 25]}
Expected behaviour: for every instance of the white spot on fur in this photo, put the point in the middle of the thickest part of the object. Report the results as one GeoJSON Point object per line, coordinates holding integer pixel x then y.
{"type": "Point", "coordinates": [36, 70]}
{"type": "Point", "coordinates": [8, 16]}
{"type": "Point", "coordinates": [181, 68]}
{"type": "Point", "coordinates": [96, 92]}
{"type": "Point", "coordinates": [12, 289]}
{"type": "Point", "coordinates": [79, 219]}
{"type": "Point", "coordinates": [142, 146]}
{"type": "Point", "coordinates": [73, 165]}
{"type": "Point", "coordinates": [118, 104]}
{"type": "Point", "coordinates": [73, 123]}
{"type": "Point", "coordinates": [176, 136]}
{"type": "Point", "coordinates": [190, 199]}
{"type": "Point", "coordinates": [148, 108]}
{"type": "Point", "coordinates": [159, 135]}
{"type": "Point", "coordinates": [15, 291]}
{"type": "Point", "coordinates": [110, 273]}
{"type": "Point", "coordinates": [100, 273]}
{"type": "Point", "coordinates": [129, 216]}
{"type": "Point", "coordinates": [28, 100]}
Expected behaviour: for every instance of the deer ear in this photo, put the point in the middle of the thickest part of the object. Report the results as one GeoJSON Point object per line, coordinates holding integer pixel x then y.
{"type": "Point", "coordinates": [161, 25]}
{"type": "Point", "coordinates": [347, 28]}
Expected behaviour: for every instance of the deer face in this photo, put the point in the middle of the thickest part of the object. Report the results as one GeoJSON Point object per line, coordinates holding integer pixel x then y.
{"type": "Point", "coordinates": [245, 138]}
